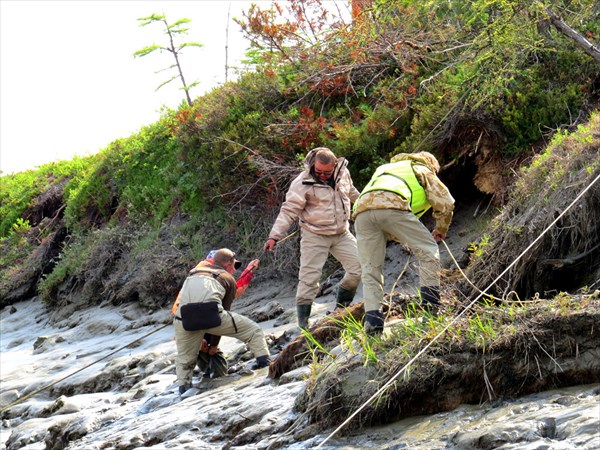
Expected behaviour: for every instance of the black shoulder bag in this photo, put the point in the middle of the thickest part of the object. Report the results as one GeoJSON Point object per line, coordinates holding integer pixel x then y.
{"type": "Point", "coordinates": [200, 316]}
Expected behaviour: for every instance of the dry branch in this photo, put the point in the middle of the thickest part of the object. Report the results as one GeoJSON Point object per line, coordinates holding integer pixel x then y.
{"type": "Point", "coordinates": [589, 48]}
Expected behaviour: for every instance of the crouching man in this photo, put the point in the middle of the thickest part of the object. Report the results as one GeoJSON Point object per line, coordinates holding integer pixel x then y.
{"type": "Point", "coordinates": [203, 307]}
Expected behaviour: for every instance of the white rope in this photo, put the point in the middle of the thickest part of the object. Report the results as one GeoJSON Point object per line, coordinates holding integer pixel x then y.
{"type": "Point", "coordinates": [414, 358]}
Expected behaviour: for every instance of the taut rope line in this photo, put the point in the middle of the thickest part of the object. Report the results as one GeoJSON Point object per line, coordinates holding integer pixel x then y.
{"type": "Point", "coordinates": [104, 357]}
{"type": "Point", "coordinates": [414, 358]}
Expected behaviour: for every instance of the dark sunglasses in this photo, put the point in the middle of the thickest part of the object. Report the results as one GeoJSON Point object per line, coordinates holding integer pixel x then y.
{"type": "Point", "coordinates": [327, 174]}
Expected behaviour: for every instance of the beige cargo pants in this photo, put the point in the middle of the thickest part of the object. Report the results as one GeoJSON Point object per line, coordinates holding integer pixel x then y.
{"type": "Point", "coordinates": [189, 342]}
{"type": "Point", "coordinates": [373, 229]}
{"type": "Point", "coordinates": [314, 250]}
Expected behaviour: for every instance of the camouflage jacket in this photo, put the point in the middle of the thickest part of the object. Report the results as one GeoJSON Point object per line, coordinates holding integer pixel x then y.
{"type": "Point", "coordinates": [438, 195]}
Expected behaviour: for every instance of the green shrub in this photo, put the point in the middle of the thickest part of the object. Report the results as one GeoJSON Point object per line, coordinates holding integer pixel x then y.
{"type": "Point", "coordinates": [19, 191]}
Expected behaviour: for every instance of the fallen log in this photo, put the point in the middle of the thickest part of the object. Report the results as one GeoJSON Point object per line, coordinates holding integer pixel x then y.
{"type": "Point", "coordinates": [297, 353]}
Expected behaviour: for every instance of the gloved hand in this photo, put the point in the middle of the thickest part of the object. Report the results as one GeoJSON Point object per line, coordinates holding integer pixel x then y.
{"type": "Point", "coordinates": [269, 245]}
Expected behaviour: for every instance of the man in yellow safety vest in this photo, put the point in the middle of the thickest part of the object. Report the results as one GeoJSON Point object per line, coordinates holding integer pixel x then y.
{"type": "Point", "coordinates": [389, 208]}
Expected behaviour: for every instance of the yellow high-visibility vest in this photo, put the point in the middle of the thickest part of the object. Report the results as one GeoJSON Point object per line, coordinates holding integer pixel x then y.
{"type": "Point", "coordinates": [400, 179]}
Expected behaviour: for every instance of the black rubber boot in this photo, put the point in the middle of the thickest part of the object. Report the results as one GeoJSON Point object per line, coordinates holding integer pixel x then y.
{"type": "Point", "coordinates": [261, 361]}
{"type": "Point", "coordinates": [430, 299]}
{"type": "Point", "coordinates": [303, 312]}
{"type": "Point", "coordinates": [344, 297]}
{"type": "Point", "coordinates": [374, 322]}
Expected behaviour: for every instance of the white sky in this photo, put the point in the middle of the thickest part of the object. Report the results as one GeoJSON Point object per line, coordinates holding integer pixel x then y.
{"type": "Point", "coordinates": [69, 82]}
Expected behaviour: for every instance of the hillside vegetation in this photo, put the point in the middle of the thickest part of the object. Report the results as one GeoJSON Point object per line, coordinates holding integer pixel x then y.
{"type": "Point", "coordinates": [484, 85]}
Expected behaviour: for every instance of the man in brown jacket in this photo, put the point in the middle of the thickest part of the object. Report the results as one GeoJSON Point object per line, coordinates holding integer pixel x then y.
{"type": "Point", "coordinates": [389, 208]}
{"type": "Point", "coordinates": [320, 198]}
{"type": "Point", "coordinates": [202, 308]}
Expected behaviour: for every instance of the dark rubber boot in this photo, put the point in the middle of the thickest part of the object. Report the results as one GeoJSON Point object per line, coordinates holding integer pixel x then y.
{"type": "Point", "coordinates": [303, 312]}
{"type": "Point", "coordinates": [430, 299]}
{"type": "Point", "coordinates": [374, 322]}
{"type": "Point", "coordinates": [261, 361]}
{"type": "Point", "coordinates": [344, 297]}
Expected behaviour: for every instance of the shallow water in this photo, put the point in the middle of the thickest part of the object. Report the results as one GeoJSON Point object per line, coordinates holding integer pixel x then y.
{"type": "Point", "coordinates": [562, 419]}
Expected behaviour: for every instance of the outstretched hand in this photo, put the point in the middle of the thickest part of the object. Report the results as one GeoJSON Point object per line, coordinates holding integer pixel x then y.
{"type": "Point", "coordinates": [269, 245]}
{"type": "Point", "coordinates": [253, 265]}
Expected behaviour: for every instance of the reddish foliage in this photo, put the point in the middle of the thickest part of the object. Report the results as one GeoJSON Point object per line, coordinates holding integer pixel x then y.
{"type": "Point", "coordinates": [337, 85]}
{"type": "Point", "coordinates": [308, 128]}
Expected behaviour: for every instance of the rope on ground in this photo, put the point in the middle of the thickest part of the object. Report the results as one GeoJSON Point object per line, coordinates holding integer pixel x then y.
{"type": "Point", "coordinates": [424, 349]}
{"type": "Point", "coordinates": [104, 357]}
{"type": "Point", "coordinates": [79, 370]}
{"type": "Point", "coordinates": [461, 271]}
